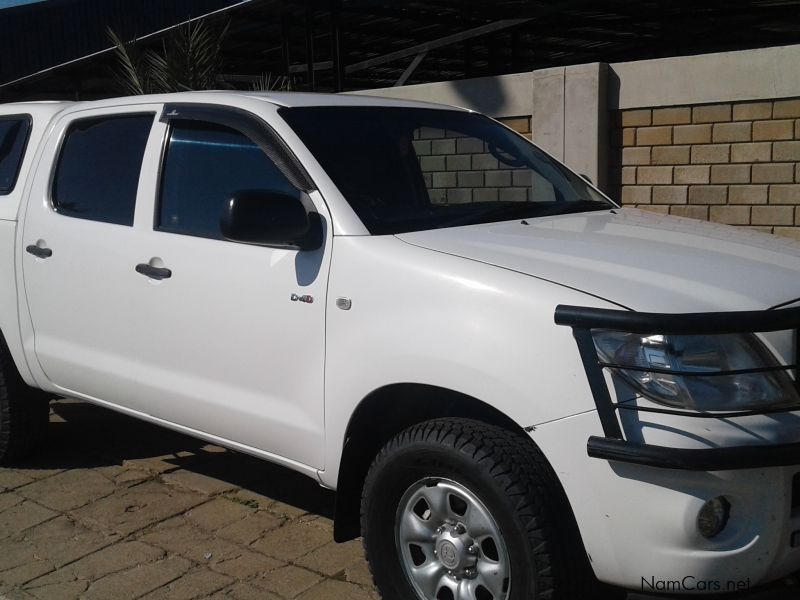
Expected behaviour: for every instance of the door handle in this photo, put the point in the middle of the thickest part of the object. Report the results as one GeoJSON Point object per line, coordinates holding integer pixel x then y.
{"type": "Point", "coordinates": [152, 272]}
{"type": "Point", "coordinates": [39, 251]}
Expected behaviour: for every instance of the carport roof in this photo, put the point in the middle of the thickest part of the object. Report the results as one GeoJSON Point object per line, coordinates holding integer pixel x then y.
{"type": "Point", "coordinates": [59, 47]}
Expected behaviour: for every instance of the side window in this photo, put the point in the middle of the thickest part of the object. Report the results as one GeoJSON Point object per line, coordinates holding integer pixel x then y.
{"type": "Point", "coordinates": [204, 165]}
{"type": "Point", "coordinates": [97, 174]}
{"type": "Point", "coordinates": [13, 139]}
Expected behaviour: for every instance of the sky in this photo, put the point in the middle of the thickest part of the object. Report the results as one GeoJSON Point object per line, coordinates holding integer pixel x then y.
{"type": "Point", "coordinates": [10, 3]}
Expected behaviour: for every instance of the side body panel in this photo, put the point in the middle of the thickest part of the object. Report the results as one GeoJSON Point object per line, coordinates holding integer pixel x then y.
{"type": "Point", "coordinates": [424, 317]}
{"type": "Point", "coordinates": [219, 350]}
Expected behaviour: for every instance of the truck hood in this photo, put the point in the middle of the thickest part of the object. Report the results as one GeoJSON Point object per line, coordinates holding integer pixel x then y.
{"type": "Point", "coordinates": [636, 259]}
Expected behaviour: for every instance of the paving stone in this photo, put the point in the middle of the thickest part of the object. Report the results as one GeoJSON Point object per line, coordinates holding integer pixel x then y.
{"type": "Point", "coordinates": [198, 584]}
{"type": "Point", "coordinates": [13, 553]}
{"type": "Point", "coordinates": [251, 527]}
{"type": "Point", "coordinates": [32, 474]}
{"type": "Point", "coordinates": [63, 541]}
{"type": "Point", "coordinates": [139, 580]}
{"type": "Point", "coordinates": [284, 510]}
{"type": "Point", "coordinates": [319, 521]}
{"type": "Point", "coordinates": [153, 464]}
{"type": "Point", "coordinates": [22, 516]}
{"type": "Point", "coordinates": [292, 540]}
{"type": "Point", "coordinates": [251, 499]}
{"type": "Point", "coordinates": [31, 567]}
{"type": "Point", "coordinates": [132, 509]}
{"type": "Point", "coordinates": [359, 574]}
{"type": "Point", "coordinates": [217, 513]}
{"type": "Point", "coordinates": [176, 535]}
{"type": "Point", "coordinates": [289, 581]}
{"type": "Point", "coordinates": [123, 476]}
{"type": "Point", "coordinates": [68, 490]}
{"type": "Point", "coordinates": [243, 564]}
{"type": "Point", "coordinates": [7, 500]}
{"type": "Point", "coordinates": [198, 482]}
{"type": "Point", "coordinates": [229, 558]}
{"type": "Point", "coordinates": [336, 590]}
{"type": "Point", "coordinates": [113, 559]}
{"type": "Point", "coordinates": [16, 595]}
{"type": "Point", "coordinates": [332, 558]}
{"type": "Point", "coordinates": [128, 477]}
{"type": "Point", "coordinates": [60, 591]}
{"type": "Point", "coordinates": [182, 537]}
{"type": "Point", "coordinates": [10, 479]}
{"type": "Point", "coordinates": [244, 591]}
{"type": "Point", "coordinates": [53, 578]}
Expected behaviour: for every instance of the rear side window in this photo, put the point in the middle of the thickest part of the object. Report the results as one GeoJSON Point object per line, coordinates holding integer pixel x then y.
{"type": "Point", "coordinates": [205, 163]}
{"type": "Point", "coordinates": [13, 139]}
{"type": "Point", "coordinates": [98, 170]}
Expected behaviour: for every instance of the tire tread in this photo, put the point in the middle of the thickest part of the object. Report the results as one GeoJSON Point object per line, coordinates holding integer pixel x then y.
{"type": "Point", "coordinates": [523, 474]}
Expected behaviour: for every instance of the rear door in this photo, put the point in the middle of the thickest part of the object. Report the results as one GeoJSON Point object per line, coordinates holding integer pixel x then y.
{"type": "Point", "coordinates": [78, 242]}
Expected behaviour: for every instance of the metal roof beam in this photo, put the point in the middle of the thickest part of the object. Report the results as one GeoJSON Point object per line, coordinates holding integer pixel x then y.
{"type": "Point", "coordinates": [411, 68]}
{"type": "Point", "coordinates": [417, 49]}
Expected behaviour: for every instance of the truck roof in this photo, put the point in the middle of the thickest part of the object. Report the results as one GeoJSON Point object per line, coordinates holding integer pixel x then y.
{"type": "Point", "coordinates": [39, 109]}
{"type": "Point", "coordinates": [287, 99]}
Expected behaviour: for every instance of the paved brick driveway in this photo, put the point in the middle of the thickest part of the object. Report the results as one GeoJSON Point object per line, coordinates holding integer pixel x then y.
{"type": "Point", "coordinates": [119, 509]}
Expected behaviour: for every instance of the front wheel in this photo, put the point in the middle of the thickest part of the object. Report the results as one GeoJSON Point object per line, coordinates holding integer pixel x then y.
{"type": "Point", "coordinates": [455, 509]}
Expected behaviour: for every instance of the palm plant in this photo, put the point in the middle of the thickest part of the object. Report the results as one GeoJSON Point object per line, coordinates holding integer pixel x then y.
{"type": "Point", "coordinates": [269, 82]}
{"type": "Point", "coordinates": [188, 59]}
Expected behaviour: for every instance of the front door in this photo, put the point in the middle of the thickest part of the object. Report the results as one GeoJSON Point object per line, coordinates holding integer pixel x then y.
{"type": "Point", "coordinates": [223, 347]}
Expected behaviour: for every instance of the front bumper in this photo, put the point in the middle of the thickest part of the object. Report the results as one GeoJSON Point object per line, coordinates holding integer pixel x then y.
{"type": "Point", "coordinates": [639, 524]}
{"type": "Point", "coordinates": [694, 459]}
{"type": "Point", "coordinates": [637, 509]}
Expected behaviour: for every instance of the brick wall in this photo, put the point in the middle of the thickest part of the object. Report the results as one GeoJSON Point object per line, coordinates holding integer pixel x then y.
{"type": "Point", "coordinates": [459, 169]}
{"type": "Point", "coordinates": [519, 124]}
{"type": "Point", "coordinates": [735, 163]}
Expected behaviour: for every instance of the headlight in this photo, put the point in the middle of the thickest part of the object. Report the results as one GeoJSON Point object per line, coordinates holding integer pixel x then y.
{"type": "Point", "coordinates": [703, 355]}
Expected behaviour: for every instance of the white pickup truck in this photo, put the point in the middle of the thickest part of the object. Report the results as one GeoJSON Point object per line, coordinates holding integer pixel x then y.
{"type": "Point", "coordinates": [518, 389]}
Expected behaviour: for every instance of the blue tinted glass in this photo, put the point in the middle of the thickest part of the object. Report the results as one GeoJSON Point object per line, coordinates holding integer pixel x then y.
{"type": "Point", "coordinates": [205, 164]}
{"type": "Point", "coordinates": [13, 136]}
{"type": "Point", "coordinates": [98, 170]}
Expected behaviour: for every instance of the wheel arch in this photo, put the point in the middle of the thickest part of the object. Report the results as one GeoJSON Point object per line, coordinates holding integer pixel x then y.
{"type": "Point", "coordinates": [384, 413]}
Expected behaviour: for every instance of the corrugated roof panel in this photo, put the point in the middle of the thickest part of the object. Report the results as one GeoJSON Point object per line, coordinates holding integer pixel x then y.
{"type": "Point", "coordinates": [46, 34]}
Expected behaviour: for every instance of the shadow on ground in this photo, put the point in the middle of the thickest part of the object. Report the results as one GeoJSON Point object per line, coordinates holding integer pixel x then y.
{"type": "Point", "coordinates": [83, 435]}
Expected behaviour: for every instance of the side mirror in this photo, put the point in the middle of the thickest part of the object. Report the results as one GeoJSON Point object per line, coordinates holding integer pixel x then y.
{"type": "Point", "coordinates": [587, 178]}
{"type": "Point", "coordinates": [271, 218]}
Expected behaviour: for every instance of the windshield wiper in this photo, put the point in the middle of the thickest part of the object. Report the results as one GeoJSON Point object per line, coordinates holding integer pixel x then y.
{"type": "Point", "coordinates": [493, 213]}
{"type": "Point", "coordinates": [574, 206]}
{"type": "Point", "coordinates": [527, 210]}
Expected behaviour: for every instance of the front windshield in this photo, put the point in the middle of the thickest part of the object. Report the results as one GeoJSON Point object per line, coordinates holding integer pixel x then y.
{"type": "Point", "coordinates": [411, 169]}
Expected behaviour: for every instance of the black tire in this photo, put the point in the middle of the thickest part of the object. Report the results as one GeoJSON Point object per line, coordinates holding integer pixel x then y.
{"type": "Point", "coordinates": [512, 480]}
{"type": "Point", "coordinates": [24, 413]}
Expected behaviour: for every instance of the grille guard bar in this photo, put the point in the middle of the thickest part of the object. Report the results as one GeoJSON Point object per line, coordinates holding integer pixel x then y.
{"type": "Point", "coordinates": [614, 446]}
